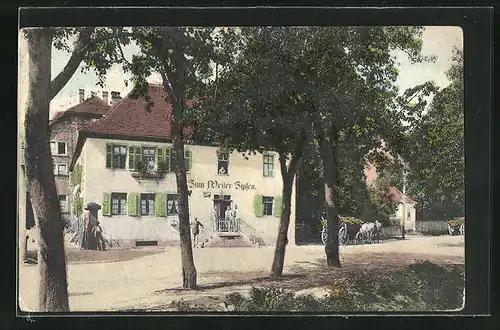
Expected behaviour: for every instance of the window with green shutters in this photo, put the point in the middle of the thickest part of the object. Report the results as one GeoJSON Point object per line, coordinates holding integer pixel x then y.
{"type": "Point", "coordinates": [106, 206]}
{"type": "Point", "coordinates": [115, 156]}
{"type": "Point", "coordinates": [267, 203]}
{"type": "Point", "coordinates": [160, 205]}
{"type": "Point", "coordinates": [109, 155]}
{"type": "Point", "coordinates": [134, 157]}
{"type": "Point", "coordinates": [133, 202]}
{"type": "Point", "coordinates": [257, 206]}
{"type": "Point", "coordinates": [168, 159]}
{"type": "Point", "coordinates": [163, 160]}
{"type": "Point", "coordinates": [278, 206]}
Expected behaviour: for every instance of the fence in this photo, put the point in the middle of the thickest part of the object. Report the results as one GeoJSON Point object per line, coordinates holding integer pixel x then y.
{"type": "Point", "coordinates": [432, 227]}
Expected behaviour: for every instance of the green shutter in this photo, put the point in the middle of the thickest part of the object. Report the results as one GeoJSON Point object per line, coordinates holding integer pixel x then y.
{"type": "Point", "coordinates": [109, 155]}
{"type": "Point", "coordinates": [106, 209]}
{"type": "Point", "coordinates": [168, 159]}
{"type": "Point", "coordinates": [138, 155]}
{"type": "Point", "coordinates": [278, 206]}
{"type": "Point", "coordinates": [132, 200]}
{"type": "Point", "coordinates": [258, 208]}
{"type": "Point", "coordinates": [131, 158]}
{"type": "Point", "coordinates": [160, 205]}
{"type": "Point", "coordinates": [160, 154]}
{"type": "Point", "coordinates": [188, 159]}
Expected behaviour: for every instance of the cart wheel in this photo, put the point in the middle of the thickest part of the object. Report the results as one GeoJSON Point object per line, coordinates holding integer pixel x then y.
{"type": "Point", "coordinates": [359, 238]}
{"type": "Point", "coordinates": [342, 236]}
{"type": "Point", "coordinates": [462, 229]}
{"type": "Point", "coordinates": [324, 236]}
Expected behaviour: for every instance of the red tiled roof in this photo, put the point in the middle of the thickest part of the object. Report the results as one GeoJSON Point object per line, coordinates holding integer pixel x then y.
{"type": "Point", "coordinates": [141, 117]}
{"type": "Point", "coordinates": [145, 118]}
{"type": "Point", "coordinates": [91, 106]}
{"type": "Point", "coordinates": [396, 196]}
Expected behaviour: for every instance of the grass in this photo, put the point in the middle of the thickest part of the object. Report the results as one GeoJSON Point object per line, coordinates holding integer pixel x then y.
{"type": "Point", "coordinates": [422, 286]}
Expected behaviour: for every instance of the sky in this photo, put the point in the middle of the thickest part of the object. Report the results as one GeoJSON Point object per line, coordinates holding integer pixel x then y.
{"type": "Point", "coordinates": [437, 40]}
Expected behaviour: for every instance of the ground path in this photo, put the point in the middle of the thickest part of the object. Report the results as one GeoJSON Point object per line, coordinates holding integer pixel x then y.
{"type": "Point", "coordinates": [154, 278]}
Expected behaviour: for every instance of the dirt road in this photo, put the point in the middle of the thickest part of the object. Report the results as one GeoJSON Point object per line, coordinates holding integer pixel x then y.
{"type": "Point", "coordinates": [154, 279]}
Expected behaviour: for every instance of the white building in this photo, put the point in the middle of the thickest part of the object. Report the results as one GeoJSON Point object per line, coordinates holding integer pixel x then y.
{"type": "Point", "coordinates": [406, 208]}
{"type": "Point", "coordinates": [141, 209]}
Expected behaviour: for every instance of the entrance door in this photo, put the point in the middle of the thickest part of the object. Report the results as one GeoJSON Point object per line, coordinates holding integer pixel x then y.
{"type": "Point", "coordinates": [221, 203]}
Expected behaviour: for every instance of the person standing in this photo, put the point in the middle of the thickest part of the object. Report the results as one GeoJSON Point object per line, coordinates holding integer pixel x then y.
{"type": "Point", "coordinates": [195, 228]}
{"type": "Point", "coordinates": [227, 217]}
{"type": "Point", "coordinates": [101, 242]}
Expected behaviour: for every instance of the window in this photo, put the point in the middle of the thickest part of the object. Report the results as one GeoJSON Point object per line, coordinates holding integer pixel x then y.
{"type": "Point", "coordinates": [187, 160]}
{"type": "Point", "coordinates": [223, 162]}
{"type": "Point", "coordinates": [60, 169]}
{"type": "Point", "coordinates": [147, 204]}
{"type": "Point", "coordinates": [172, 204]}
{"type": "Point", "coordinates": [268, 165]}
{"type": "Point", "coordinates": [119, 156]}
{"type": "Point", "coordinates": [267, 203]}
{"type": "Point", "coordinates": [118, 203]}
{"type": "Point", "coordinates": [149, 158]}
{"type": "Point", "coordinates": [134, 157]}
{"type": "Point", "coordinates": [63, 203]}
{"type": "Point", "coordinates": [58, 148]}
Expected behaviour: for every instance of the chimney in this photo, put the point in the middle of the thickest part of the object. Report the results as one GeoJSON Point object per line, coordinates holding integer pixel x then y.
{"type": "Point", "coordinates": [105, 97]}
{"type": "Point", "coordinates": [81, 93]}
{"type": "Point", "coordinates": [115, 97]}
{"type": "Point", "coordinates": [92, 94]}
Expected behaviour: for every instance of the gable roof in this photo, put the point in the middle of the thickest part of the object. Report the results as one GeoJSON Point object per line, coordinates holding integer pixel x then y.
{"type": "Point", "coordinates": [396, 196]}
{"type": "Point", "coordinates": [146, 118]}
{"type": "Point", "coordinates": [94, 106]}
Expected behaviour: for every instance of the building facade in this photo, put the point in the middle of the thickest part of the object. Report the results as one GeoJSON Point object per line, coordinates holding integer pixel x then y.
{"type": "Point", "coordinates": [64, 128]}
{"type": "Point", "coordinates": [125, 165]}
{"type": "Point", "coordinates": [406, 212]}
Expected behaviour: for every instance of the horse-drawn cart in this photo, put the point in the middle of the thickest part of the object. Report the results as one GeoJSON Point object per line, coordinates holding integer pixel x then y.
{"type": "Point", "coordinates": [349, 228]}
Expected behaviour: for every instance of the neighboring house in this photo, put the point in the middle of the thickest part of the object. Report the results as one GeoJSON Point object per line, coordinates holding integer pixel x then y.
{"type": "Point", "coordinates": [140, 209]}
{"type": "Point", "coordinates": [64, 127]}
{"type": "Point", "coordinates": [406, 208]}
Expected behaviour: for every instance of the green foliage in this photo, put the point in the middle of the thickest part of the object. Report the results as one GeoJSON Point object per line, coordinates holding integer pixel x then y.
{"type": "Point", "coordinates": [162, 168]}
{"type": "Point", "coordinates": [436, 155]}
{"type": "Point", "coordinates": [141, 168]}
{"type": "Point", "coordinates": [78, 206]}
{"type": "Point", "coordinates": [76, 175]}
{"type": "Point", "coordinates": [456, 222]}
{"type": "Point", "coordinates": [422, 286]}
{"type": "Point", "coordinates": [343, 220]}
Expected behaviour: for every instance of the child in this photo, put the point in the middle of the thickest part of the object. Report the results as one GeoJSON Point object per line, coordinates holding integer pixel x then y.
{"type": "Point", "coordinates": [97, 231]}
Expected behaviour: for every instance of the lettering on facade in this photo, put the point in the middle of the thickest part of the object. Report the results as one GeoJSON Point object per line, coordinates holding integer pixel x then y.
{"type": "Point", "coordinates": [215, 184]}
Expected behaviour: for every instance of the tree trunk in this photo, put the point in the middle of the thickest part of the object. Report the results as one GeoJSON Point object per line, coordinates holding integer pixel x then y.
{"type": "Point", "coordinates": [188, 267]}
{"type": "Point", "coordinates": [328, 156]}
{"type": "Point", "coordinates": [279, 252]}
{"type": "Point", "coordinates": [53, 292]}
{"type": "Point", "coordinates": [288, 175]}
